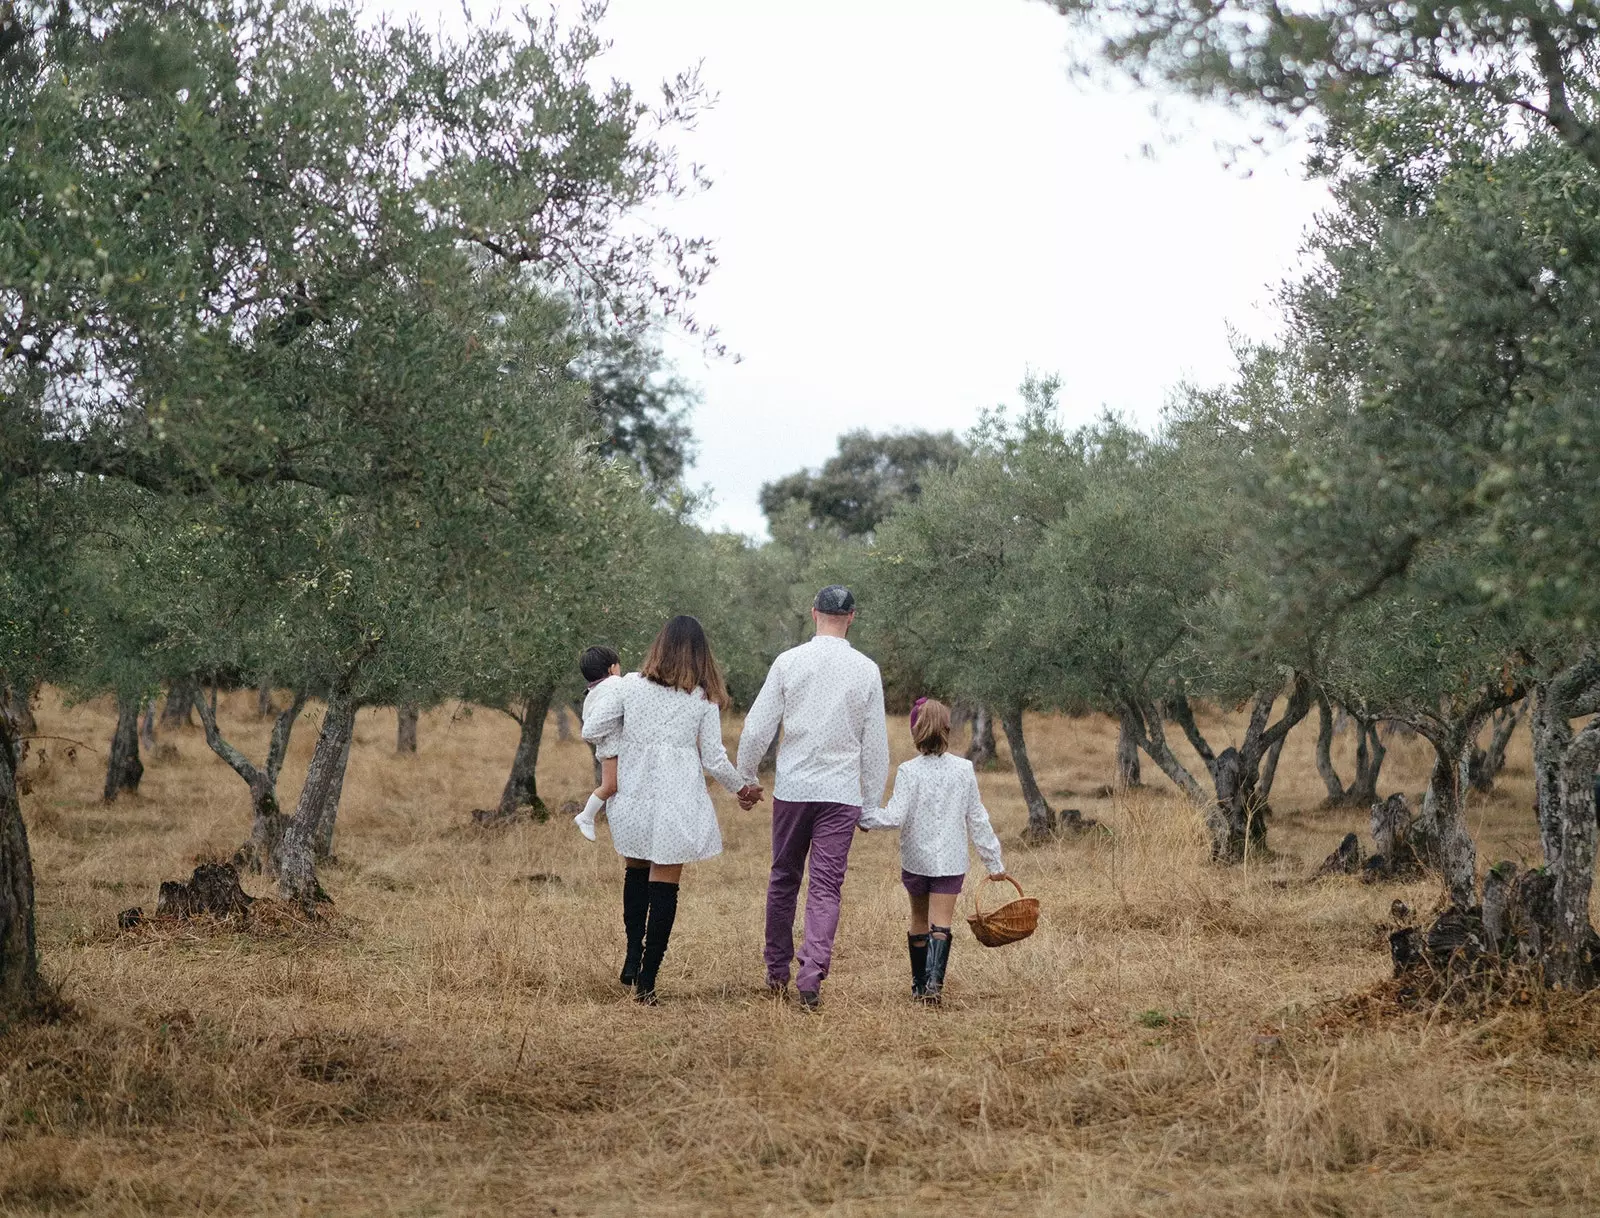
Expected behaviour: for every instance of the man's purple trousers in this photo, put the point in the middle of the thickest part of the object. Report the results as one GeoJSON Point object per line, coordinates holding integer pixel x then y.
{"type": "Point", "coordinates": [824, 831]}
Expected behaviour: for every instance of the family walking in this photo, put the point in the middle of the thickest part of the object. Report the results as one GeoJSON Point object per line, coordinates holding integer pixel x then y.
{"type": "Point", "coordinates": [658, 731]}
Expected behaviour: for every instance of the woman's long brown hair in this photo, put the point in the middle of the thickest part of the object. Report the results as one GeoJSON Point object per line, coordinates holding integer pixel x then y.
{"type": "Point", "coordinates": [680, 658]}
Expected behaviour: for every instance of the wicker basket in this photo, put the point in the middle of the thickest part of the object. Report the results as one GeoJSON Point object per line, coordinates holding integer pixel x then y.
{"type": "Point", "coordinates": [1012, 921]}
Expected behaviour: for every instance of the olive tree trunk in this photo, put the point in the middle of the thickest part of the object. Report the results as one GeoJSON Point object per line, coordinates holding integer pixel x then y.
{"type": "Point", "coordinates": [1127, 752]}
{"type": "Point", "coordinates": [262, 852]}
{"type": "Point", "coordinates": [1238, 815]}
{"type": "Point", "coordinates": [522, 786]}
{"type": "Point", "coordinates": [147, 727]}
{"type": "Point", "coordinates": [982, 748]}
{"type": "Point", "coordinates": [123, 767]}
{"type": "Point", "coordinates": [1041, 817]}
{"type": "Point", "coordinates": [1565, 763]}
{"type": "Point", "coordinates": [1330, 776]}
{"type": "Point", "coordinates": [1370, 752]}
{"type": "Point", "coordinates": [1486, 766]}
{"type": "Point", "coordinates": [405, 739]}
{"type": "Point", "coordinates": [313, 814]}
{"type": "Point", "coordinates": [322, 840]}
{"type": "Point", "coordinates": [181, 696]}
{"type": "Point", "coordinates": [16, 702]}
{"type": "Point", "coordinates": [19, 955]}
{"type": "Point", "coordinates": [1444, 822]}
{"type": "Point", "coordinates": [1143, 718]}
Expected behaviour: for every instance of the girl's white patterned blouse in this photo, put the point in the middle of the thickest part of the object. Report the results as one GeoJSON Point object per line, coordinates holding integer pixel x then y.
{"type": "Point", "coordinates": [937, 807]}
{"type": "Point", "coordinates": [661, 811]}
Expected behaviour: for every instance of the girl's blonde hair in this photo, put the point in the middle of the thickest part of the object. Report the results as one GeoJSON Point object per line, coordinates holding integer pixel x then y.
{"type": "Point", "coordinates": [930, 726]}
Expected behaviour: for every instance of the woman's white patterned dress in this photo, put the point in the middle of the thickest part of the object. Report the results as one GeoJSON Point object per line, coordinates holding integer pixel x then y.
{"type": "Point", "coordinates": [661, 811]}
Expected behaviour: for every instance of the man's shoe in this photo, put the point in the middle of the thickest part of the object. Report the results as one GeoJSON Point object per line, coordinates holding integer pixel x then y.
{"type": "Point", "coordinates": [777, 989]}
{"type": "Point", "coordinates": [810, 1000]}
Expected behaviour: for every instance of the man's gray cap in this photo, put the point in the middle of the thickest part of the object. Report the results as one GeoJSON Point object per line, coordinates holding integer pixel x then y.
{"type": "Point", "coordinates": [835, 598]}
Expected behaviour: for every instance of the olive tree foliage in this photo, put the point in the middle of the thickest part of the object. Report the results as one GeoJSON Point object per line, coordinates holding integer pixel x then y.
{"type": "Point", "coordinates": [861, 485]}
{"type": "Point", "coordinates": [210, 212]}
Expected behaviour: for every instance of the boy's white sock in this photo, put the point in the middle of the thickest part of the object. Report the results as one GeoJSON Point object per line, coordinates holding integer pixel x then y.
{"type": "Point", "coordinates": [585, 819]}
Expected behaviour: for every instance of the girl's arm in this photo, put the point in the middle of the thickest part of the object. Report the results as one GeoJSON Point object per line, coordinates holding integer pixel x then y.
{"type": "Point", "coordinates": [893, 814]}
{"type": "Point", "coordinates": [713, 753]}
{"type": "Point", "coordinates": [980, 830]}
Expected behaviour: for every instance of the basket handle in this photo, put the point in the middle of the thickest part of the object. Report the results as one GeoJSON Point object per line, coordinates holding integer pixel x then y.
{"type": "Point", "coordinates": [977, 903]}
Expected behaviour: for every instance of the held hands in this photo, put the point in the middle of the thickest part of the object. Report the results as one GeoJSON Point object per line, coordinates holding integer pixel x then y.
{"type": "Point", "coordinates": [750, 795]}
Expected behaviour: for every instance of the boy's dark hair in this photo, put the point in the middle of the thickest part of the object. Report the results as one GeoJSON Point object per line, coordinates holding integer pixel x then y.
{"type": "Point", "coordinates": [595, 663]}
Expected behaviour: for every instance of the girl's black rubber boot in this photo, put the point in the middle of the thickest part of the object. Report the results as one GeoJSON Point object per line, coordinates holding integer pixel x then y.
{"type": "Point", "coordinates": [938, 961]}
{"type": "Point", "coordinates": [917, 948]}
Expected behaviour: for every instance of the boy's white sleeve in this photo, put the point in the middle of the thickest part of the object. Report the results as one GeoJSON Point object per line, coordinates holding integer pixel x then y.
{"type": "Point", "coordinates": [980, 830]}
{"type": "Point", "coordinates": [602, 712]}
{"type": "Point", "coordinates": [893, 814]}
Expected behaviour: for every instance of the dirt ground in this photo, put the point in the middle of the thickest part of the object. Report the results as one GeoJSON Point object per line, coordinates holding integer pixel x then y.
{"type": "Point", "coordinates": [1177, 1039]}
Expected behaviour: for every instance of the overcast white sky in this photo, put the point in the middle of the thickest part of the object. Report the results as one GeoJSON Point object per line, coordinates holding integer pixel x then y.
{"type": "Point", "coordinates": [914, 205]}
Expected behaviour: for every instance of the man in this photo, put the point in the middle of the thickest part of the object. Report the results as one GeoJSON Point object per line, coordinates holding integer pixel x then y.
{"type": "Point", "coordinates": [833, 761]}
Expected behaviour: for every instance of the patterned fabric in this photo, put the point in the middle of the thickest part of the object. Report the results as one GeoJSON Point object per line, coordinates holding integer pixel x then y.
{"type": "Point", "coordinates": [606, 746]}
{"type": "Point", "coordinates": [936, 806]}
{"type": "Point", "coordinates": [828, 697]}
{"type": "Point", "coordinates": [661, 811]}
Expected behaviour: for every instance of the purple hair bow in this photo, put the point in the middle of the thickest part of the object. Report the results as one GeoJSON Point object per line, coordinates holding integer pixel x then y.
{"type": "Point", "coordinates": [915, 707]}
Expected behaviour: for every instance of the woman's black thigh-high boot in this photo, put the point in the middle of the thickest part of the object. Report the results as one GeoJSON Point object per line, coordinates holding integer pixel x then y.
{"type": "Point", "coordinates": [917, 949]}
{"type": "Point", "coordinates": [938, 961]}
{"type": "Point", "coordinates": [658, 932]}
{"type": "Point", "coordinates": [635, 913]}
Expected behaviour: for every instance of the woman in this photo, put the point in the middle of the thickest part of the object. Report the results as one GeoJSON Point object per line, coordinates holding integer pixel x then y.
{"type": "Point", "coordinates": [661, 816]}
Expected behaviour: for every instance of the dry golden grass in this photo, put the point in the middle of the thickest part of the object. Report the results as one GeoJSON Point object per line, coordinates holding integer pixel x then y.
{"type": "Point", "coordinates": [1171, 1042]}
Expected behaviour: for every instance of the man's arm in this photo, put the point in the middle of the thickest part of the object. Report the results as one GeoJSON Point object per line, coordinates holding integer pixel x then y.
{"type": "Point", "coordinates": [761, 724]}
{"type": "Point", "coordinates": [874, 747]}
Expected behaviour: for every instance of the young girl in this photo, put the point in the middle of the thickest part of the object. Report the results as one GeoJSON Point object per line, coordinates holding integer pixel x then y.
{"type": "Point", "coordinates": [936, 806]}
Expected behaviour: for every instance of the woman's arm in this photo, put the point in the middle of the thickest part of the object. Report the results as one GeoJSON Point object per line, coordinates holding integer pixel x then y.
{"type": "Point", "coordinates": [980, 830]}
{"type": "Point", "coordinates": [713, 753]}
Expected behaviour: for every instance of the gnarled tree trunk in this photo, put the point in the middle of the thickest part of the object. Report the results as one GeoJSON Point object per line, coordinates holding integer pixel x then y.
{"type": "Point", "coordinates": [181, 697]}
{"type": "Point", "coordinates": [1370, 752]}
{"type": "Point", "coordinates": [1143, 717]}
{"type": "Point", "coordinates": [1565, 763]}
{"type": "Point", "coordinates": [1269, 772]}
{"type": "Point", "coordinates": [1444, 823]}
{"type": "Point", "coordinates": [405, 737]}
{"type": "Point", "coordinates": [1237, 817]}
{"type": "Point", "coordinates": [16, 702]}
{"type": "Point", "coordinates": [982, 748]}
{"type": "Point", "coordinates": [262, 852]}
{"type": "Point", "coordinates": [19, 955]}
{"type": "Point", "coordinates": [1330, 776]}
{"type": "Point", "coordinates": [264, 700]}
{"type": "Point", "coordinates": [1127, 752]}
{"type": "Point", "coordinates": [313, 814]}
{"type": "Point", "coordinates": [1486, 766]}
{"type": "Point", "coordinates": [123, 767]}
{"type": "Point", "coordinates": [522, 786]}
{"type": "Point", "coordinates": [1041, 817]}
{"type": "Point", "coordinates": [147, 728]}
{"type": "Point", "coordinates": [322, 840]}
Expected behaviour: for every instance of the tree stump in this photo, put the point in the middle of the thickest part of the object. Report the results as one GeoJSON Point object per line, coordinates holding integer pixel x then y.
{"type": "Point", "coordinates": [213, 890]}
{"type": "Point", "coordinates": [1397, 845]}
{"type": "Point", "coordinates": [1345, 860]}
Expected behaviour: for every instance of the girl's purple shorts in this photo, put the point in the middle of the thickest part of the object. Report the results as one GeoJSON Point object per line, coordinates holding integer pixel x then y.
{"type": "Point", "coordinates": [922, 885]}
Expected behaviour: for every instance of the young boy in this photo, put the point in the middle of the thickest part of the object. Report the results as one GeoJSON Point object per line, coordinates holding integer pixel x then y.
{"type": "Point", "coordinates": [599, 665]}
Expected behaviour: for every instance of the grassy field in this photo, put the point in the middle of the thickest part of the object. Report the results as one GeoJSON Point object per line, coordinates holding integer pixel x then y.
{"type": "Point", "coordinates": [1177, 1039]}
